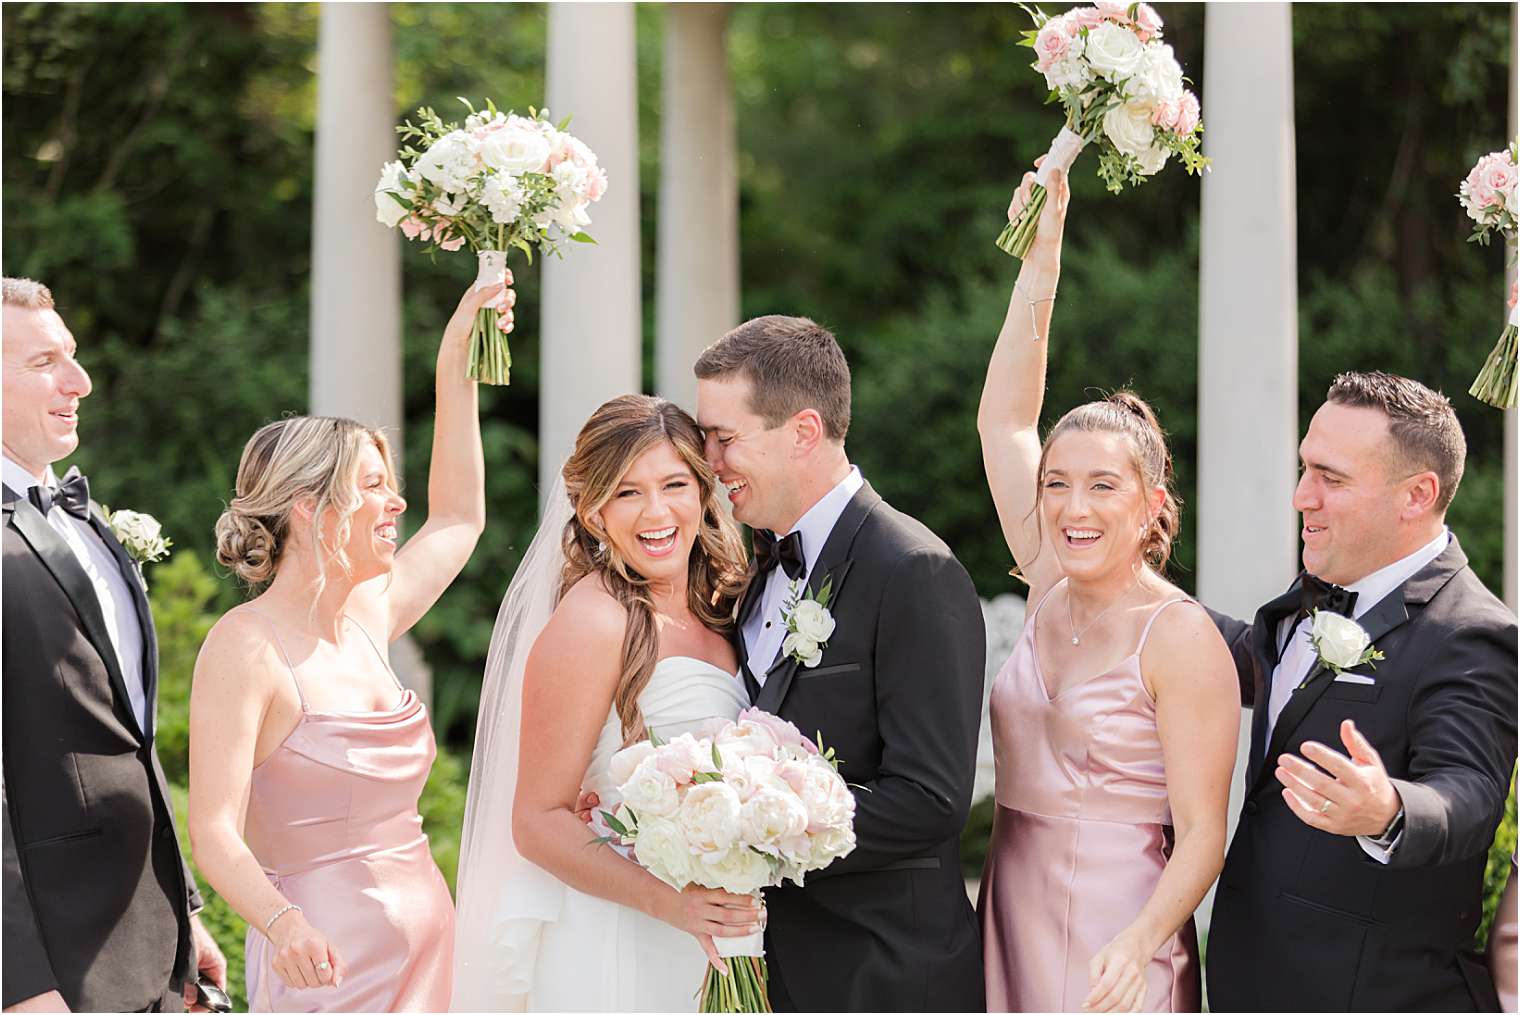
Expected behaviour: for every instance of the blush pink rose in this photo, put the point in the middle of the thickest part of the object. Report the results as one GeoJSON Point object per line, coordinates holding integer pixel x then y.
{"type": "Point", "coordinates": [1165, 114]}
{"type": "Point", "coordinates": [1498, 173]}
{"type": "Point", "coordinates": [1187, 114]}
{"type": "Point", "coordinates": [1051, 44]}
{"type": "Point", "coordinates": [1148, 22]}
{"type": "Point", "coordinates": [1083, 17]}
{"type": "Point", "coordinates": [1114, 10]}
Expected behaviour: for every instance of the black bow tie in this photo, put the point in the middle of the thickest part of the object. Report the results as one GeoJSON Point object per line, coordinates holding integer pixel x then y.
{"type": "Point", "coordinates": [1321, 595]}
{"type": "Point", "coordinates": [770, 551]}
{"type": "Point", "coordinates": [72, 494]}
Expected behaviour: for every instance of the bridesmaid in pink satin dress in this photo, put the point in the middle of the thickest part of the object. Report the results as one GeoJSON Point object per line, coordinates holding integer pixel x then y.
{"type": "Point", "coordinates": [1115, 719]}
{"type": "Point", "coordinates": [307, 757]}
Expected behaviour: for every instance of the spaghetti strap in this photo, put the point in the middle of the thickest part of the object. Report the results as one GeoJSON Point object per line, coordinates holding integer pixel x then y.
{"type": "Point", "coordinates": [384, 659]}
{"type": "Point", "coordinates": [1029, 617]}
{"type": "Point", "coordinates": [1146, 632]}
{"type": "Point", "coordinates": [274, 632]}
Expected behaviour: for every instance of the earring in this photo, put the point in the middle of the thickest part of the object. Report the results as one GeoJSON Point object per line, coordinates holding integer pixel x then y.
{"type": "Point", "coordinates": [601, 548]}
{"type": "Point", "coordinates": [1144, 531]}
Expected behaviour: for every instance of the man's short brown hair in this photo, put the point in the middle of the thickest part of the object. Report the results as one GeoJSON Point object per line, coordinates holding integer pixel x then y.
{"type": "Point", "coordinates": [26, 294]}
{"type": "Point", "coordinates": [1422, 425]}
{"type": "Point", "coordinates": [791, 363]}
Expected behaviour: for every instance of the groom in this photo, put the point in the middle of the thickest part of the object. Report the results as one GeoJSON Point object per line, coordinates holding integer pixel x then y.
{"type": "Point", "coordinates": [897, 691]}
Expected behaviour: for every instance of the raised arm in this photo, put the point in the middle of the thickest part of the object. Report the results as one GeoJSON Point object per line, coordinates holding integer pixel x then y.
{"type": "Point", "coordinates": [456, 506]}
{"type": "Point", "coordinates": [1009, 416]}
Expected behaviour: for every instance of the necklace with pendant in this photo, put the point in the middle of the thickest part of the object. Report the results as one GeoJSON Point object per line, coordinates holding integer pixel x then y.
{"type": "Point", "coordinates": [1076, 636]}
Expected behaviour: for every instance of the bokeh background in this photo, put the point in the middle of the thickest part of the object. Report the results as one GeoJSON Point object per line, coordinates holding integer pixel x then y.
{"type": "Point", "coordinates": [158, 175]}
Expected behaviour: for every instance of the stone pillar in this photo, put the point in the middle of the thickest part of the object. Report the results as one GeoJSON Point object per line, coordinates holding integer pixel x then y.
{"type": "Point", "coordinates": [697, 294]}
{"type": "Point", "coordinates": [592, 316]}
{"type": "Point", "coordinates": [1247, 320]}
{"type": "Point", "coordinates": [356, 262]}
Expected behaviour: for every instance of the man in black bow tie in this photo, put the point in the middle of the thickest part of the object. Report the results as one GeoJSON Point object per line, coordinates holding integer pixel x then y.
{"type": "Point", "coordinates": [98, 901]}
{"type": "Point", "coordinates": [1355, 878]}
{"type": "Point", "coordinates": [895, 687]}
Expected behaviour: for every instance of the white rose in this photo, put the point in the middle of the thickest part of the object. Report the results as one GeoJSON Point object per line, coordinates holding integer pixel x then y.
{"type": "Point", "coordinates": [134, 526]}
{"type": "Point", "coordinates": [812, 620]}
{"type": "Point", "coordinates": [1114, 51]}
{"type": "Point", "coordinates": [1340, 641]}
{"type": "Point", "coordinates": [1152, 159]}
{"type": "Point", "coordinates": [772, 815]}
{"type": "Point", "coordinates": [450, 163]}
{"type": "Point", "coordinates": [1159, 77]}
{"type": "Point", "coordinates": [625, 761]}
{"type": "Point", "coordinates": [661, 848]}
{"type": "Point", "coordinates": [515, 148]}
{"type": "Point", "coordinates": [387, 209]}
{"type": "Point", "coordinates": [709, 817]}
{"type": "Point", "coordinates": [650, 790]}
{"type": "Point", "coordinates": [803, 647]}
{"type": "Point", "coordinates": [739, 870]}
{"type": "Point", "coordinates": [1128, 126]}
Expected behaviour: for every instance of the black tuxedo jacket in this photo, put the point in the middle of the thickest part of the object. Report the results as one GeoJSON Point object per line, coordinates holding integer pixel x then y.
{"type": "Point", "coordinates": [1307, 921]}
{"type": "Point", "coordinates": [97, 897]}
{"type": "Point", "coordinates": [898, 695]}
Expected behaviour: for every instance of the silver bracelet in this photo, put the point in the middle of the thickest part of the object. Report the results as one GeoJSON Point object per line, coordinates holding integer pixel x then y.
{"type": "Point", "coordinates": [1034, 325]}
{"type": "Point", "coordinates": [279, 913]}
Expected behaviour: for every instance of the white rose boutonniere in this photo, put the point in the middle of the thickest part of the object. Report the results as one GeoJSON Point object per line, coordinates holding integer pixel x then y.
{"type": "Point", "coordinates": [139, 534]}
{"type": "Point", "coordinates": [1340, 642]}
{"type": "Point", "coordinates": [809, 624]}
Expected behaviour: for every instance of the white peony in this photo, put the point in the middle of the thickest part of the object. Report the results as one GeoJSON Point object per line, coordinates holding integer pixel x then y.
{"type": "Point", "coordinates": [651, 790]}
{"type": "Point", "coordinates": [625, 761]}
{"type": "Point", "coordinates": [739, 870]}
{"type": "Point", "coordinates": [804, 648]}
{"type": "Point", "coordinates": [387, 209]}
{"type": "Point", "coordinates": [1340, 641]}
{"type": "Point", "coordinates": [812, 620]}
{"type": "Point", "coordinates": [830, 845]}
{"type": "Point", "coordinates": [1159, 77]}
{"type": "Point", "coordinates": [1128, 126]}
{"type": "Point", "coordinates": [827, 799]}
{"type": "Point", "coordinates": [662, 849]}
{"type": "Point", "coordinates": [517, 147]}
{"type": "Point", "coordinates": [683, 757]}
{"type": "Point", "coordinates": [771, 815]}
{"type": "Point", "coordinates": [451, 162]}
{"type": "Point", "coordinates": [1152, 159]}
{"type": "Point", "coordinates": [742, 739]}
{"type": "Point", "coordinates": [1114, 51]}
{"type": "Point", "coordinates": [503, 197]}
{"type": "Point", "coordinates": [709, 817]}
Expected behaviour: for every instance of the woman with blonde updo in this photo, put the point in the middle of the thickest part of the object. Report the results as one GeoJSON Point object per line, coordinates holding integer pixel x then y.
{"type": "Point", "coordinates": [1114, 721]}
{"type": "Point", "coordinates": [616, 627]}
{"type": "Point", "coordinates": [307, 756]}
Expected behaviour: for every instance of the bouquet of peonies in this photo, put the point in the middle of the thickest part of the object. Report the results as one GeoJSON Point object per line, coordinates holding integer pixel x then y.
{"type": "Point", "coordinates": [1120, 87]}
{"type": "Point", "coordinates": [502, 181]}
{"type": "Point", "coordinates": [1489, 197]}
{"type": "Point", "coordinates": [753, 805]}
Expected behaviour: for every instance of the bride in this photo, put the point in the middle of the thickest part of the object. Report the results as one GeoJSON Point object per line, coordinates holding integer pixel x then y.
{"type": "Point", "coordinates": [616, 624]}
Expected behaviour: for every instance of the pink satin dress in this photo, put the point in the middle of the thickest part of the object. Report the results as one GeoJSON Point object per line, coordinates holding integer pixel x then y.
{"type": "Point", "coordinates": [1081, 835]}
{"type": "Point", "coordinates": [332, 818]}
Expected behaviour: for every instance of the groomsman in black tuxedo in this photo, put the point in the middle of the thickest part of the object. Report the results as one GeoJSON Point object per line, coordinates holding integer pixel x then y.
{"type": "Point", "coordinates": [1355, 878]}
{"type": "Point", "coordinates": [98, 901]}
{"type": "Point", "coordinates": [895, 687]}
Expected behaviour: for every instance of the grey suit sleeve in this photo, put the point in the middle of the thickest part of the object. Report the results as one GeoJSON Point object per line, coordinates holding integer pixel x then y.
{"type": "Point", "coordinates": [27, 971]}
{"type": "Point", "coordinates": [1237, 635]}
{"type": "Point", "coordinates": [929, 660]}
{"type": "Point", "coordinates": [1461, 748]}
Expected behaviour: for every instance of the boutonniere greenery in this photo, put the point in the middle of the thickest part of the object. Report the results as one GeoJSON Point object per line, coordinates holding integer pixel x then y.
{"type": "Point", "coordinates": [1340, 643]}
{"type": "Point", "coordinates": [139, 534]}
{"type": "Point", "coordinates": [809, 624]}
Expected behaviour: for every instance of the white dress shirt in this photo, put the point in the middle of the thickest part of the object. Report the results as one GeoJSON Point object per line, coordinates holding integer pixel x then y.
{"type": "Point", "coordinates": [111, 588]}
{"type": "Point", "coordinates": [764, 630]}
{"type": "Point", "coordinates": [1298, 652]}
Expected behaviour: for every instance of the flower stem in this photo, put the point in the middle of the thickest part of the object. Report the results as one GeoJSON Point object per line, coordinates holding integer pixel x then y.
{"type": "Point", "coordinates": [1496, 382]}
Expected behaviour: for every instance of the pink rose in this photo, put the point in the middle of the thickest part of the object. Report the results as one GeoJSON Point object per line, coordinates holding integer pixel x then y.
{"type": "Point", "coordinates": [1148, 22]}
{"type": "Point", "coordinates": [1498, 173]}
{"type": "Point", "coordinates": [1082, 17]}
{"type": "Point", "coordinates": [596, 184]}
{"type": "Point", "coordinates": [1051, 44]}
{"type": "Point", "coordinates": [1187, 114]}
{"type": "Point", "coordinates": [1114, 10]}
{"type": "Point", "coordinates": [1165, 114]}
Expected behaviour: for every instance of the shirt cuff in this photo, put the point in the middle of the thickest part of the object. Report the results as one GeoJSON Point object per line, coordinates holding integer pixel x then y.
{"type": "Point", "coordinates": [1381, 849]}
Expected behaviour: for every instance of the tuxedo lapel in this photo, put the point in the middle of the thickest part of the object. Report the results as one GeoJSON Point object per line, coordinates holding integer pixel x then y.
{"type": "Point", "coordinates": [1265, 649]}
{"type": "Point", "coordinates": [131, 573]}
{"type": "Point", "coordinates": [61, 563]}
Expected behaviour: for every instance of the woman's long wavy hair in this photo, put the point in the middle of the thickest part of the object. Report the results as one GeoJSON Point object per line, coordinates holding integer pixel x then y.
{"type": "Point", "coordinates": [607, 446]}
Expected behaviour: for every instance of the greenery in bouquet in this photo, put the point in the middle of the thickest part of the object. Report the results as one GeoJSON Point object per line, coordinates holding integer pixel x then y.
{"type": "Point", "coordinates": [1488, 195]}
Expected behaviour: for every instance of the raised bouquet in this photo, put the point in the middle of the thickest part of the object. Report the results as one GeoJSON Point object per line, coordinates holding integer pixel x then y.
{"type": "Point", "coordinates": [751, 806]}
{"type": "Point", "coordinates": [500, 182]}
{"type": "Point", "coordinates": [1121, 88]}
{"type": "Point", "coordinates": [1488, 195]}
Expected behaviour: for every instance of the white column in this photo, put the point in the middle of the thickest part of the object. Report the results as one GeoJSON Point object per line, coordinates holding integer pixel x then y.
{"type": "Point", "coordinates": [592, 317]}
{"type": "Point", "coordinates": [1247, 319]}
{"type": "Point", "coordinates": [1511, 431]}
{"type": "Point", "coordinates": [697, 295]}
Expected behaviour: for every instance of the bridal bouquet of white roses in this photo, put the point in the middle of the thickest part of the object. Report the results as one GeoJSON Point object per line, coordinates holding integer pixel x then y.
{"type": "Point", "coordinates": [751, 806]}
{"type": "Point", "coordinates": [500, 182]}
{"type": "Point", "coordinates": [1488, 195]}
{"type": "Point", "coordinates": [1121, 88]}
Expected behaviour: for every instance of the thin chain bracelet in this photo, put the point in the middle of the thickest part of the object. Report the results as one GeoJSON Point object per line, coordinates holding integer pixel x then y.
{"type": "Point", "coordinates": [1034, 325]}
{"type": "Point", "coordinates": [279, 913]}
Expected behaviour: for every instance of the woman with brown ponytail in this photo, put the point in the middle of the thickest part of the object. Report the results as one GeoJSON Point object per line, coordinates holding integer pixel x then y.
{"type": "Point", "coordinates": [616, 627]}
{"type": "Point", "coordinates": [1115, 719]}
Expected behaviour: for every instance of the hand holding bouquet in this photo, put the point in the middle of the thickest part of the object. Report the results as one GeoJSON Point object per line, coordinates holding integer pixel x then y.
{"type": "Point", "coordinates": [1489, 197]}
{"type": "Point", "coordinates": [1122, 89]}
{"type": "Point", "coordinates": [502, 181]}
{"type": "Point", "coordinates": [751, 806]}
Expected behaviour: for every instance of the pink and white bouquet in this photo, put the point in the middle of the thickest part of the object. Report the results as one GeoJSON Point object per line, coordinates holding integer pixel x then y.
{"type": "Point", "coordinates": [1122, 89]}
{"type": "Point", "coordinates": [500, 182]}
{"type": "Point", "coordinates": [748, 807]}
{"type": "Point", "coordinates": [1488, 195]}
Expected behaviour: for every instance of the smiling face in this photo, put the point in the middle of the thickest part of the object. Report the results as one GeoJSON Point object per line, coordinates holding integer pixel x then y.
{"type": "Point", "coordinates": [754, 463]}
{"type": "Point", "coordinates": [43, 385]}
{"type": "Point", "coordinates": [1093, 504]}
{"type": "Point", "coordinates": [372, 528]}
{"type": "Point", "coordinates": [1351, 499]}
{"type": "Point", "coordinates": [654, 513]}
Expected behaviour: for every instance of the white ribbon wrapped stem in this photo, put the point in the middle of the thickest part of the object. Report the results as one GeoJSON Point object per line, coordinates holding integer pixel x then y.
{"type": "Point", "coordinates": [493, 268]}
{"type": "Point", "coordinates": [1514, 315]}
{"type": "Point", "coordinates": [750, 945]}
{"type": "Point", "coordinates": [1063, 152]}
